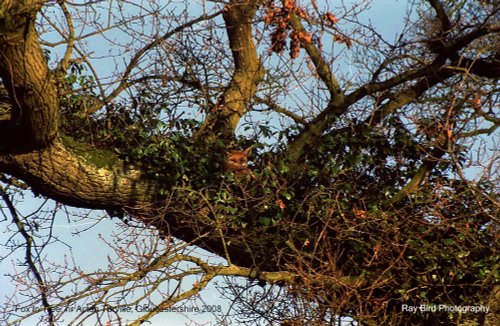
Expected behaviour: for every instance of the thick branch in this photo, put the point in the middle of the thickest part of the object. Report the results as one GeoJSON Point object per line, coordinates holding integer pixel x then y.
{"type": "Point", "coordinates": [248, 71]}
{"type": "Point", "coordinates": [64, 176]}
{"type": "Point", "coordinates": [322, 68]}
{"type": "Point", "coordinates": [26, 77]}
{"type": "Point", "coordinates": [313, 130]}
{"type": "Point", "coordinates": [74, 180]}
{"type": "Point", "coordinates": [408, 95]}
{"type": "Point", "coordinates": [71, 36]}
{"type": "Point", "coordinates": [428, 76]}
{"type": "Point", "coordinates": [481, 67]}
{"type": "Point", "coordinates": [441, 15]}
{"type": "Point", "coordinates": [411, 187]}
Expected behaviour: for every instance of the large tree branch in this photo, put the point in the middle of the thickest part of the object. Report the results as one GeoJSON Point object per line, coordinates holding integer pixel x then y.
{"type": "Point", "coordinates": [442, 16]}
{"type": "Point", "coordinates": [313, 130]}
{"type": "Point", "coordinates": [322, 68]}
{"type": "Point", "coordinates": [430, 69]}
{"type": "Point", "coordinates": [64, 64]}
{"type": "Point", "coordinates": [5, 105]}
{"type": "Point", "coordinates": [408, 95]}
{"type": "Point", "coordinates": [413, 185]}
{"type": "Point", "coordinates": [25, 74]}
{"type": "Point", "coordinates": [248, 70]}
{"type": "Point", "coordinates": [72, 179]}
{"type": "Point", "coordinates": [487, 68]}
{"type": "Point", "coordinates": [51, 168]}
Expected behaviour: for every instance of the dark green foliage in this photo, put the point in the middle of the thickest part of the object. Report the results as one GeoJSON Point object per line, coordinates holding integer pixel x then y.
{"type": "Point", "coordinates": [325, 213]}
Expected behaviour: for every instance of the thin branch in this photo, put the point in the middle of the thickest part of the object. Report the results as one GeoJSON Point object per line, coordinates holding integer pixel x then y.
{"type": "Point", "coordinates": [29, 256]}
{"type": "Point", "coordinates": [278, 108]}
{"type": "Point", "coordinates": [135, 59]}
{"type": "Point", "coordinates": [70, 38]}
{"type": "Point", "coordinates": [429, 76]}
{"type": "Point", "coordinates": [84, 36]}
{"type": "Point", "coordinates": [484, 131]}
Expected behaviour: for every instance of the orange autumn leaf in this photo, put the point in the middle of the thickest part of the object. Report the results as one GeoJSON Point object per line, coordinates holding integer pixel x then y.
{"type": "Point", "coordinates": [476, 101]}
{"type": "Point", "coordinates": [305, 37]}
{"type": "Point", "coordinates": [301, 13]}
{"type": "Point", "coordinates": [360, 213]}
{"type": "Point", "coordinates": [289, 4]}
{"type": "Point", "coordinates": [329, 17]}
{"type": "Point", "coordinates": [348, 41]}
{"type": "Point", "coordinates": [280, 204]}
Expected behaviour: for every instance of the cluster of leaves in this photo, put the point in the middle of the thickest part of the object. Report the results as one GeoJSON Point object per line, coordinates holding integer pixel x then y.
{"type": "Point", "coordinates": [279, 18]}
{"type": "Point", "coordinates": [439, 249]}
{"type": "Point", "coordinates": [326, 215]}
{"type": "Point", "coordinates": [78, 98]}
{"type": "Point", "coordinates": [448, 249]}
{"type": "Point", "coordinates": [141, 134]}
{"type": "Point", "coordinates": [363, 163]}
{"type": "Point", "coordinates": [331, 210]}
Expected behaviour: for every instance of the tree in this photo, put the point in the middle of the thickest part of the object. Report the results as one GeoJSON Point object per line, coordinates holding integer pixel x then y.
{"type": "Point", "coordinates": [362, 200]}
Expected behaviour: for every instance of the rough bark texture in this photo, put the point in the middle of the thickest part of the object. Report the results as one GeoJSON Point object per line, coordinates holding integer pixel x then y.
{"type": "Point", "coordinates": [222, 121]}
{"type": "Point", "coordinates": [72, 179]}
{"type": "Point", "coordinates": [248, 70]}
{"type": "Point", "coordinates": [24, 71]}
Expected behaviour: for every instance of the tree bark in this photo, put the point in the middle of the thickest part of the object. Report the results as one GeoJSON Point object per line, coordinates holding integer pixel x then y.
{"type": "Point", "coordinates": [25, 74]}
{"type": "Point", "coordinates": [222, 121]}
{"type": "Point", "coordinates": [60, 174]}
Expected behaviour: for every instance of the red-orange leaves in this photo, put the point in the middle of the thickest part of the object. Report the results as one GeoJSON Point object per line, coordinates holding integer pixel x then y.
{"type": "Point", "coordinates": [298, 39]}
{"type": "Point", "coordinates": [289, 4]}
{"type": "Point", "coordinates": [330, 18]}
{"type": "Point", "coordinates": [279, 18]}
{"type": "Point", "coordinates": [342, 39]}
{"type": "Point", "coordinates": [304, 37]}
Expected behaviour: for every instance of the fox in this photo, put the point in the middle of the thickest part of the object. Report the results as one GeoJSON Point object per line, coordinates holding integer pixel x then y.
{"type": "Point", "coordinates": [237, 162]}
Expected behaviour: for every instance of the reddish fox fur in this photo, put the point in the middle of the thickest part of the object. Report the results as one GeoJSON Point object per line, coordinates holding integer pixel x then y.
{"type": "Point", "coordinates": [236, 162]}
